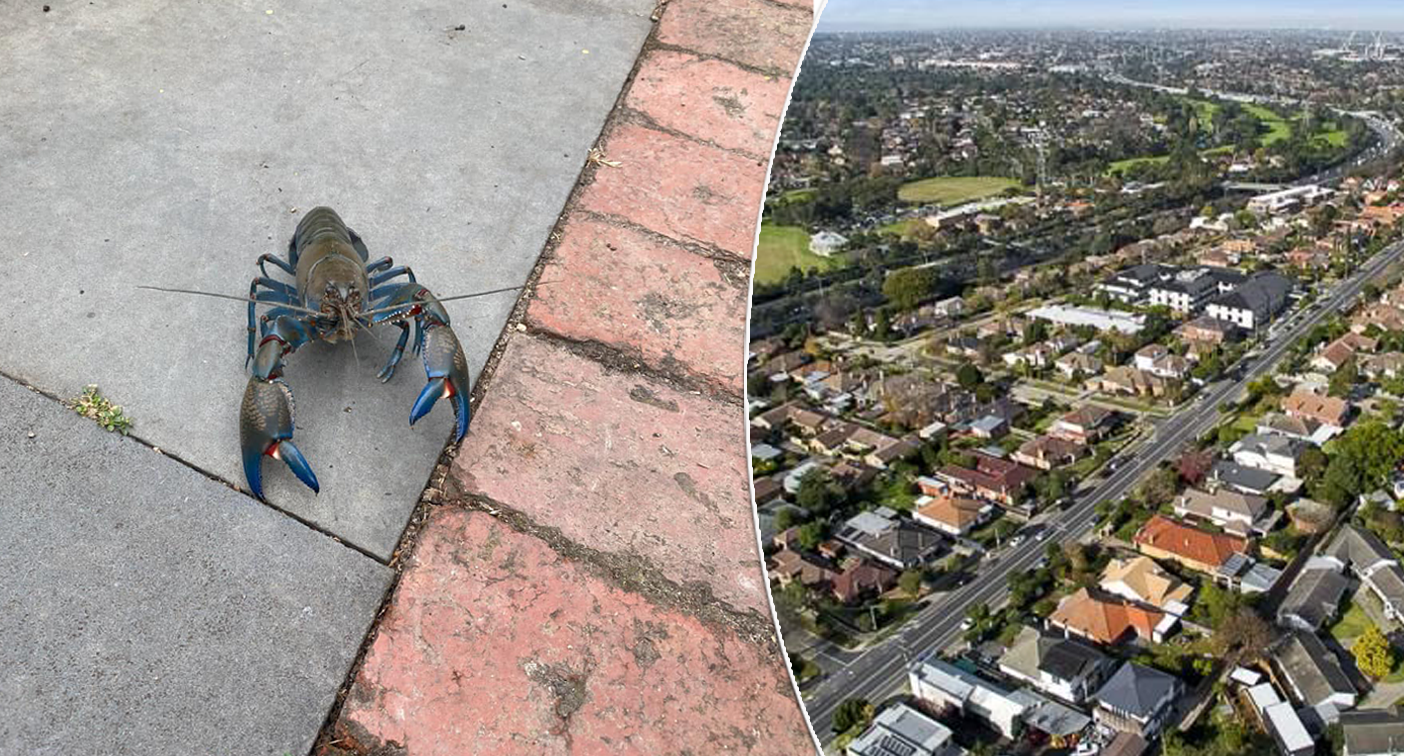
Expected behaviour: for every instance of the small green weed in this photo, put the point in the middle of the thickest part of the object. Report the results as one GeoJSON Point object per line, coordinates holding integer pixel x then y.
{"type": "Point", "coordinates": [92, 404]}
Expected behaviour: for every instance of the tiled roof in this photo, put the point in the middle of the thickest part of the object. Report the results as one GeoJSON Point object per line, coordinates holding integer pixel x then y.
{"type": "Point", "coordinates": [1326, 409]}
{"type": "Point", "coordinates": [956, 511]}
{"type": "Point", "coordinates": [1191, 544]}
{"type": "Point", "coordinates": [1104, 620]}
{"type": "Point", "coordinates": [1203, 503]}
{"type": "Point", "coordinates": [991, 473]}
{"type": "Point", "coordinates": [1152, 584]}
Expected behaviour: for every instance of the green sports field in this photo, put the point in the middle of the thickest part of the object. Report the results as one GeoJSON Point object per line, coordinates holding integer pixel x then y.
{"type": "Point", "coordinates": [783, 248]}
{"type": "Point", "coordinates": [954, 190]}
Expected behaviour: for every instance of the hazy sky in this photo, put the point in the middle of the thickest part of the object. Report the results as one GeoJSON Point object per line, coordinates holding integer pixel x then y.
{"type": "Point", "coordinates": [892, 15]}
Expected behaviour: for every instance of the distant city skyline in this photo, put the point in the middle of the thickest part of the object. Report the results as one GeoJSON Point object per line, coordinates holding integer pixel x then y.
{"type": "Point", "coordinates": [912, 15]}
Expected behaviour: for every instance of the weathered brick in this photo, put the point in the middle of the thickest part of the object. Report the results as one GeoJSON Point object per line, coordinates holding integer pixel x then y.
{"type": "Point", "coordinates": [752, 32]}
{"type": "Point", "coordinates": [710, 99]}
{"type": "Point", "coordinates": [676, 310]}
{"type": "Point", "coordinates": [679, 188]}
{"type": "Point", "coordinates": [620, 465]}
{"type": "Point", "coordinates": [496, 644]}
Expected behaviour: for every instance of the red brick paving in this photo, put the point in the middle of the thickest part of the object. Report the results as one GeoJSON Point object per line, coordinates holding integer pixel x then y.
{"type": "Point", "coordinates": [620, 464]}
{"type": "Point", "coordinates": [675, 309]}
{"type": "Point", "coordinates": [499, 642]}
{"type": "Point", "coordinates": [679, 188]}
{"type": "Point", "coordinates": [727, 105]}
{"type": "Point", "coordinates": [751, 32]}
{"type": "Point", "coordinates": [496, 644]}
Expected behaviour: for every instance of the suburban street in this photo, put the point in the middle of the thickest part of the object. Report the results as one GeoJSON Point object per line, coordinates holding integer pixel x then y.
{"type": "Point", "coordinates": [880, 671]}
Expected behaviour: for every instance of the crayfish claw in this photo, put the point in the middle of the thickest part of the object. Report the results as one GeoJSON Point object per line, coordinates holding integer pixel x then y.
{"type": "Point", "coordinates": [298, 464]}
{"type": "Point", "coordinates": [428, 396]}
{"type": "Point", "coordinates": [266, 430]}
{"type": "Point", "coordinates": [446, 368]}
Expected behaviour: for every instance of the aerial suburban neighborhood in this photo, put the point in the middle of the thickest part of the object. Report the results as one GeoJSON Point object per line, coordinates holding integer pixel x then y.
{"type": "Point", "coordinates": [1076, 395]}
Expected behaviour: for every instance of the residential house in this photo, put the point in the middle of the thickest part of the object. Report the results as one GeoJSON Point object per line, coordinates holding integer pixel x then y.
{"type": "Point", "coordinates": [788, 566]}
{"type": "Point", "coordinates": [989, 426]}
{"type": "Point", "coordinates": [1372, 562]}
{"type": "Point", "coordinates": [894, 541]}
{"type": "Point", "coordinates": [1104, 619]}
{"type": "Point", "coordinates": [1216, 257]}
{"type": "Point", "coordinates": [1048, 452]}
{"type": "Point", "coordinates": [952, 307]}
{"type": "Point", "coordinates": [793, 478]}
{"type": "Point", "coordinates": [1313, 675]}
{"type": "Point", "coordinates": [1140, 579]}
{"type": "Point", "coordinates": [1062, 667]}
{"type": "Point", "coordinates": [792, 414]}
{"type": "Point", "coordinates": [1302, 428]}
{"type": "Point", "coordinates": [1137, 699]}
{"type": "Point", "coordinates": [852, 475]}
{"type": "Point", "coordinates": [862, 580]}
{"type": "Point", "coordinates": [900, 730]}
{"type": "Point", "coordinates": [1314, 598]}
{"type": "Point", "coordinates": [1373, 732]}
{"type": "Point", "coordinates": [1035, 356]}
{"type": "Point", "coordinates": [1146, 357]}
{"type": "Point", "coordinates": [1249, 480]}
{"type": "Point", "coordinates": [1377, 367]}
{"type": "Point", "coordinates": [1159, 361]}
{"type": "Point", "coordinates": [779, 367]}
{"type": "Point", "coordinates": [1237, 513]}
{"type": "Point", "coordinates": [1164, 538]}
{"type": "Point", "coordinates": [1383, 316]}
{"type": "Point", "coordinates": [1254, 304]}
{"type": "Point", "coordinates": [946, 686]}
{"type": "Point", "coordinates": [1087, 424]}
{"type": "Point", "coordinates": [992, 478]}
{"type": "Point", "coordinates": [898, 449]}
{"type": "Point", "coordinates": [953, 515]}
{"type": "Point", "coordinates": [767, 490]}
{"type": "Point", "coordinates": [765, 453]}
{"type": "Point", "coordinates": [1336, 354]}
{"type": "Point", "coordinates": [1207, 330]}
{"type": "Point", "coordinates": [1309, 258]}
{"type": "Point", "coordinates": [1270, 452]}
{"type": "Point", "coordinates": [1327, 410]}
{"type": "Point", "coordinates": [1172, 367]}
{"type": "Point", "coordinates": [1124, 379]}
{"type": "Point", "coordinates": [1074, 365]}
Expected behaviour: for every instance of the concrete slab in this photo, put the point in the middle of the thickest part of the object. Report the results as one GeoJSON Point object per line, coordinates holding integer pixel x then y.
{"type": "Point", "coordinates": [173, 143]}
{"type": "Point", "coordinates": [145, 609]}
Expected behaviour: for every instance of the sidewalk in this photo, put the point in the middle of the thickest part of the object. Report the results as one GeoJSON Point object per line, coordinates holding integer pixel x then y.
{"type": "Point", "coordinates": [594, 541]}
{"type": "Point", "coordinates": [582, 574]}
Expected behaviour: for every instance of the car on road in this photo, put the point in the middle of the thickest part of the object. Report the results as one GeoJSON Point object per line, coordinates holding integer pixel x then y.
{"type": "Point", "coordinates": [966, 624]}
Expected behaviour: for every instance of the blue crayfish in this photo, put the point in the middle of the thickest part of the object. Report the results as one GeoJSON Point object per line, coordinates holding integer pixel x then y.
{"type": "Point", "coordinates": [338, 290]}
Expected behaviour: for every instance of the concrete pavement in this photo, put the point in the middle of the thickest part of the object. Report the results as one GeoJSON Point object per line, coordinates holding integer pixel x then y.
{"type": "Point", "coordinates": [146, 609]}
{"type": "Point", "coordinates": [174, 143]}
